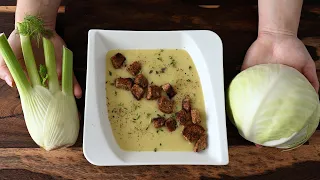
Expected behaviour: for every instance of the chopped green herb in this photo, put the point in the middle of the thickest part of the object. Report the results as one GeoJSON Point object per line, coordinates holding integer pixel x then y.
{"type": "Point", "coordinates": [159, 130]}
{"type": "Point", "coordinates": [155, 149]}
{"type": "Point", "coordinates": [173, 63]}
{"type": "Point", "coordinates": [160, 144]}
{"type": "Point", "coordinates": [190, 67]}
{"type": "Point", "coordinates": [110, 73]}
{"type": "Point", "coordinates": [148, 115]}
{"type": "Point", "coordinates": [188, 80]}
{"type": "Point", "coordinates": [173, 115]}
{"type": "Point", "coordinates": [160, 58]}
{"type": "Point", "coordinates": [137, 118]}
{"type": "Point", "coordinates": [120, 104]}
{"type": "Point", "coordinates": [115, 93]}
{"type": "Point", "coordinates": [135, 106]}
{"type": "Point", "coordinates": [151, 71]}
{"type": "Point", "coordinates": [161, 50]}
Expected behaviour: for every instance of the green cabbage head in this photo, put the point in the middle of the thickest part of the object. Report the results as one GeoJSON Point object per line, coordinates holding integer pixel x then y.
{"type": "Point", "coordinates": [273, 105]}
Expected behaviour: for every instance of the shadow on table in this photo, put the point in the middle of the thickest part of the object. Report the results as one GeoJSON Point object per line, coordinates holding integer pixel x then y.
{"type": "Point", "coordinates": [20, 174]}
{"type": "Point", "coordinates": [299, 171]}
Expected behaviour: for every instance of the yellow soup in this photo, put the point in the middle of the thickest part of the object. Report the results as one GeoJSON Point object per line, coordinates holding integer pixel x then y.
{"type": "Point", "coordinates": [131, 119]}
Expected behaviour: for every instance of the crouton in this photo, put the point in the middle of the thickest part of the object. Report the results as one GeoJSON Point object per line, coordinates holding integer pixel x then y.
{"type": "Point", "coordinates": [158, 122]}
{"type": "Point", "coordinates": [201, 144]}
{"type": "Point", "coordinates": [169, 90]}
{"type": "Point", "coordinates": [165, 105]}
{"type": "Point", "coordinates": [171, 124]}
{"type": "Point", "coordinates": [193, 132]}
{"type": "Point", "coordinates": [118, 60]}
{"type": "Point", "coordinates": [195, 114]}
{"type": "Point", "coordinates": [154, 92]}
{"type": "Point", "coordinates": [183, 117]}
{"type": "Point", "coordinates": [134, 68]}
{"type": "Point", "coordinates": [124, 83]}
{"type": "Point", "coordinates": [186, 103]}
{"type": "Point", "coordinates": [137, 91]}
{"type": "Point", "coordinates": [141, 80]}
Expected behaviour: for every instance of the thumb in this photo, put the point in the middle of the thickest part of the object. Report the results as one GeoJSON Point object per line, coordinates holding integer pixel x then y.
{"type": "Point", "coordinates": [310, 72]}
{"type": "Point", "coordinates": [5, 74]}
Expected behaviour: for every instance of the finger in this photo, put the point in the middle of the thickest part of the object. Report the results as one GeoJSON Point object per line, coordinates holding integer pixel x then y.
{"type": "Point", "coordinates": [258, 145]}
{"type": "Point", "coordinates": [76, 88]}
{"type": "Point", "coordinates": [58, 44]}
{"type": "Point", "coordinates": [311, 74]}
{"type": "Point", "coordinates": [5, 74]}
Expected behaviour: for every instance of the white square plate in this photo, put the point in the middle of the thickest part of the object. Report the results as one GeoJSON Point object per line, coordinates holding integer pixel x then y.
{"type": "Point", "coordinates": [205, 47]}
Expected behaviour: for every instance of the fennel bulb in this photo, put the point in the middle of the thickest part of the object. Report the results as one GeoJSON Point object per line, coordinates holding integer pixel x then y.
{"type": "Point", "coordinates": [273, 105]}
{"type": "Point", "coordinates": [50, 111]}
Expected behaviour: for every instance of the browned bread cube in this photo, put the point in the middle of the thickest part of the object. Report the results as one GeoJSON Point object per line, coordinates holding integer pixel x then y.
{"type": "Point", "coordinates": [183, 117]}
{"type": "Point", "coordinates": [165, 105]}
{"type": "Point", "coordinates": [158, 122]}
{"type": "Point", "coordinates": [193, 132]}
{"type": "Point", "coordinates": [169, 90]}
{"type": "Point", "coordinates": [201, 144]}
{"type": "Point", "coordinates": [154, 92]}
{"type": "Point", "coordinates": [141, 80]}
{"type": "Point", "coordinates": [118, 60]}
{"type": "Point", "coordinates": [171, 124]}
{"type": "Point", "coordinates": [124, 83]}
{"type": "Point", "coordinates": [134, 68]}
{"type": "Point", "coordinates": [195, 114]}
{"type": "Point", "coordinates": [186, 103]}
{"type": "Point", "coordinates": [137, 91]}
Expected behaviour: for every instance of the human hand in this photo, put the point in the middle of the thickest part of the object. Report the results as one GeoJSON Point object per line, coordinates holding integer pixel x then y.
{"type": "Point", "coordinates": [283, 49]}
{"type": "Point", "coordinates": [14, 41]}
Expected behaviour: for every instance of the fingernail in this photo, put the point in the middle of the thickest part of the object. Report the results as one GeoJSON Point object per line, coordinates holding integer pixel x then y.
{"type": "Point", "coordinates": [78, 97]}
{"type": "Point", "coordinates": [8, 81]}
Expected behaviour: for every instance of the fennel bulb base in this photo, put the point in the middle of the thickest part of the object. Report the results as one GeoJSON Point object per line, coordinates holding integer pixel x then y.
{"type": "Point", "coordinates": [51, 119]}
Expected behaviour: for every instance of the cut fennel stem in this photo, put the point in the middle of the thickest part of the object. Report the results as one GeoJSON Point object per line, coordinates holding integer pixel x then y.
{"type": "Point", "coordinates": [51, 114]}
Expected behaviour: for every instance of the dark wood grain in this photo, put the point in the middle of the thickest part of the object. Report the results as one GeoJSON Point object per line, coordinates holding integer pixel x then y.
{"type": "Point", "coordinates": [14, 2]}
{"type": "Point", "coordinates": [246, 162]}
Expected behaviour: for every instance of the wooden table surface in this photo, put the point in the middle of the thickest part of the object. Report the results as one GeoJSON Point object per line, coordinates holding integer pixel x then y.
{"type": "Point", "coordinates": [234, 21]}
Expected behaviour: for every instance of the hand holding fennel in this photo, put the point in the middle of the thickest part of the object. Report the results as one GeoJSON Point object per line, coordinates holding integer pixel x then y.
{"type": "Point", "coordinates": [50, 111]}
{"type": "Point", "coordinates": [47, 10]}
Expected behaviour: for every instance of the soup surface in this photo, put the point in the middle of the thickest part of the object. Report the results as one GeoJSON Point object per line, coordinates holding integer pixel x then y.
{"type": "Point", "coordinates": [131, 119]}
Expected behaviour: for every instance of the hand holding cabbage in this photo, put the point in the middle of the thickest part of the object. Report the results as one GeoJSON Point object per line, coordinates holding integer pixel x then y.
{"type": "Point", "coordinates": [274, 101]}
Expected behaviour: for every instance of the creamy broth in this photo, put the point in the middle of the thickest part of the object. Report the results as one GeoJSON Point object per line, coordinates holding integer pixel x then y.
{"type": "Point", "coordinates": [131, 119]}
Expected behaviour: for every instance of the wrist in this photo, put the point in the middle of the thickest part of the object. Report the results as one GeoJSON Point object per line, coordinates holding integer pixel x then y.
{"type": "Point", "coordinates": [47, 10]}
{"type": "Point", "coordinates": [275, 32]}
{"type": "Point", "coordinates": [279, 17]}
